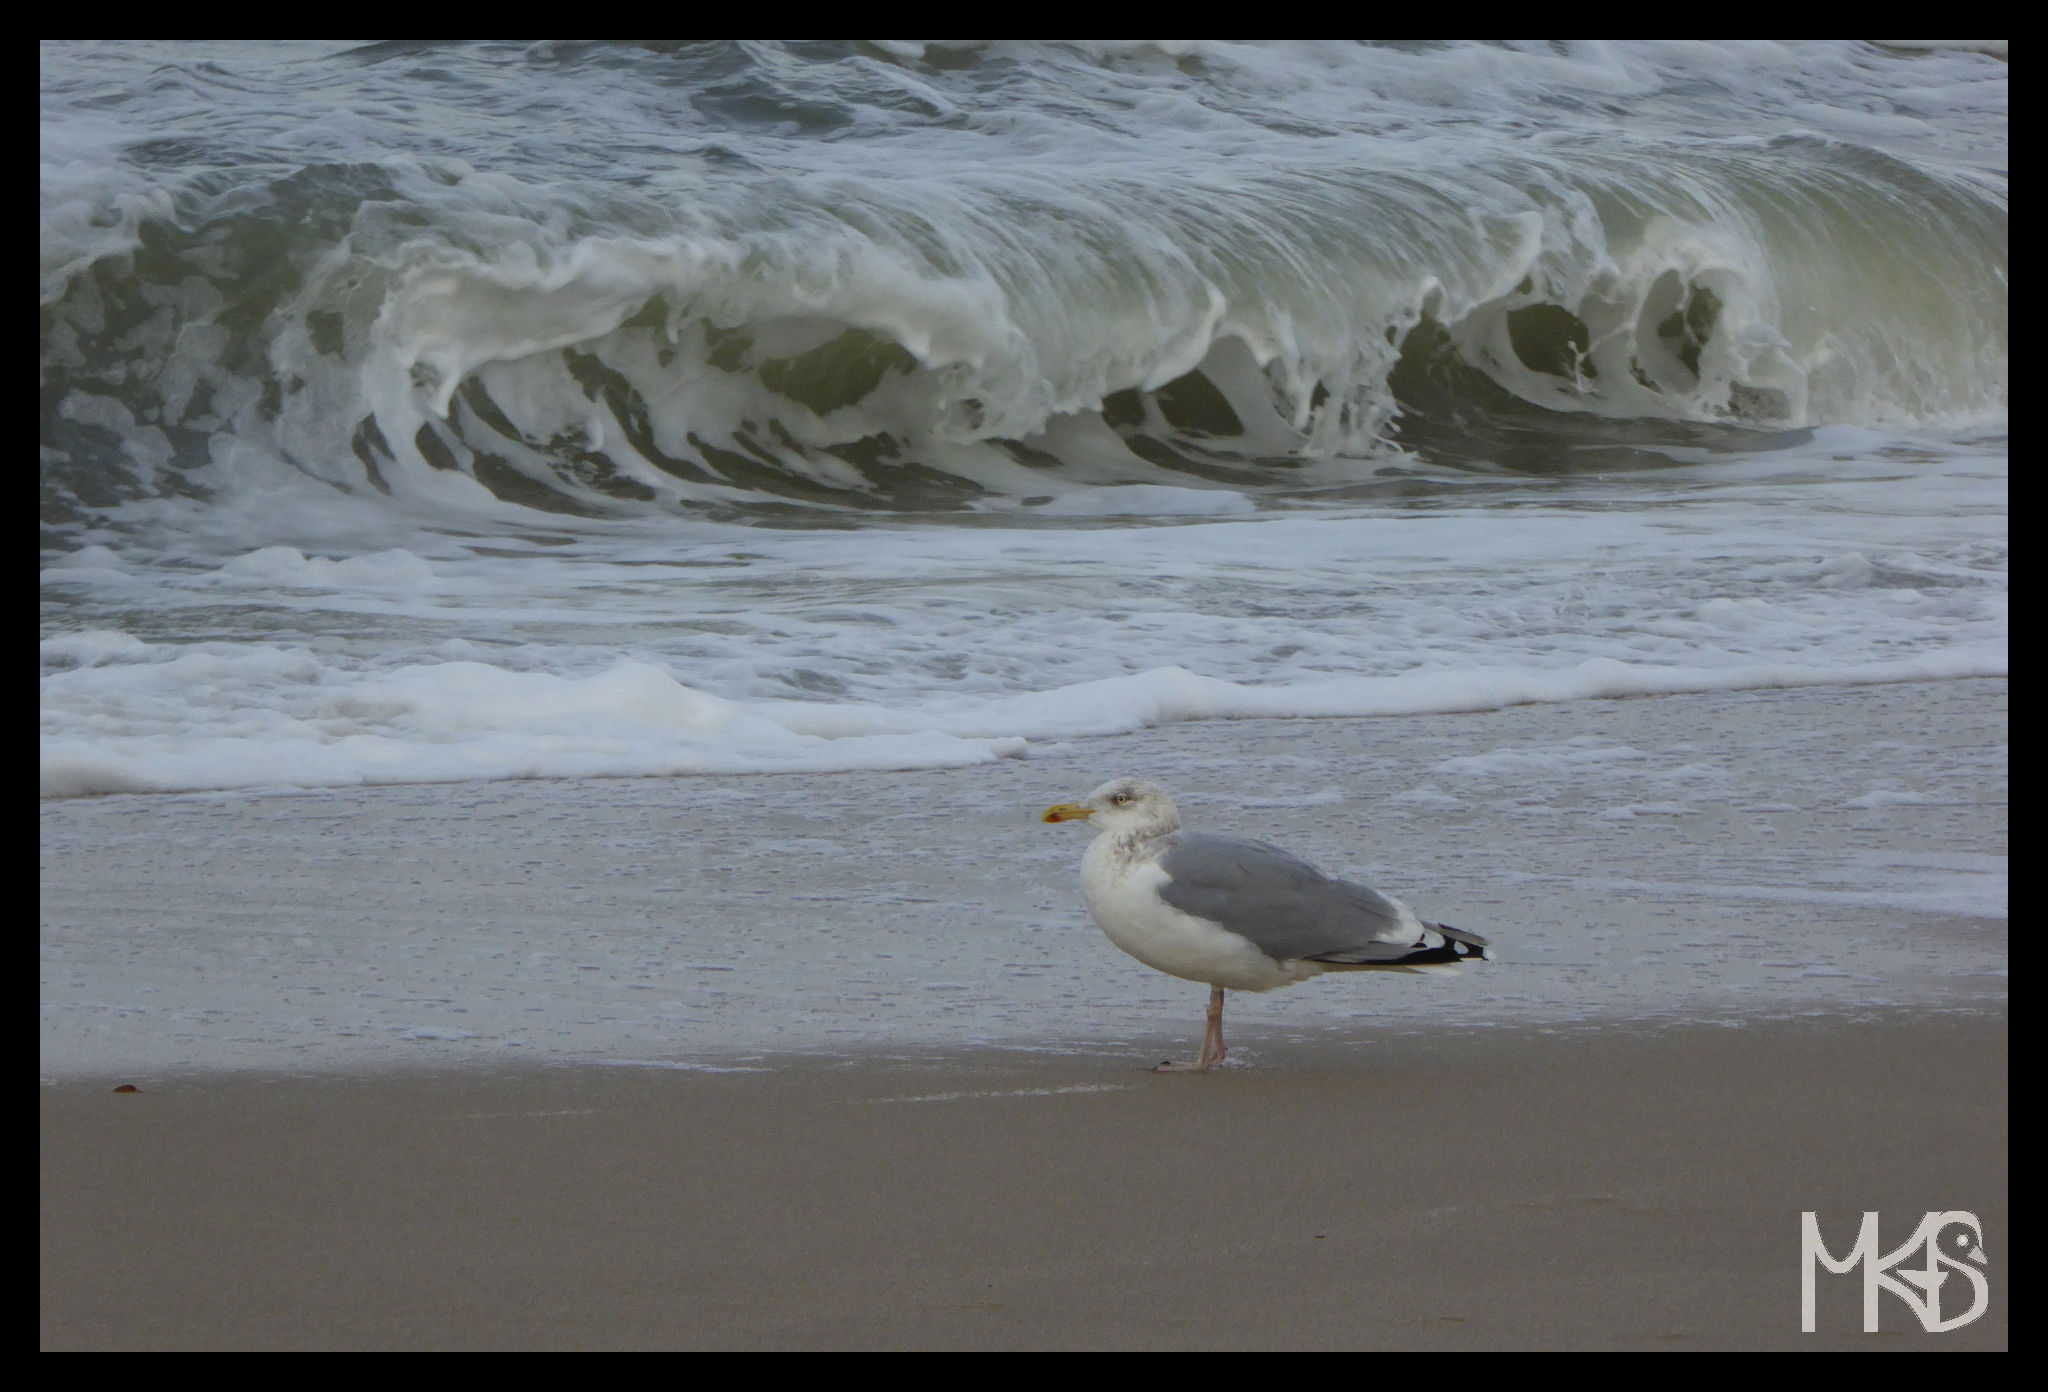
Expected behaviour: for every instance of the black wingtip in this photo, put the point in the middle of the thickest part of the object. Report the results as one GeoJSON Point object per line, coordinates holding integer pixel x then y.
{"type": "Point", "coordinates": [1434, 956]}
{"type": "Point", "coordinates": [1473, 946]}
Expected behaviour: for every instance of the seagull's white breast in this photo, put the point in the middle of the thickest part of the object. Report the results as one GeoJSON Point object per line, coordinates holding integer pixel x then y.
{"type": "Point", "coordinates": [1122, 891]}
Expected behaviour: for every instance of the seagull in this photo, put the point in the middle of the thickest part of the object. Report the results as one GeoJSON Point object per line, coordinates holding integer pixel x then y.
{"type": "Point", "coordinates": [1236, 914]}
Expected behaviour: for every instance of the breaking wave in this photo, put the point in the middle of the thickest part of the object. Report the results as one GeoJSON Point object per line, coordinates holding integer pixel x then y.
{"type": "Point", "coordinates": [909, 326]}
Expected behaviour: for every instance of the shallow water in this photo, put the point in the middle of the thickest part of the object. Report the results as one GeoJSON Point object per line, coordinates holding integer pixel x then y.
{"type": "Point", "coordinates": [1721, 858]}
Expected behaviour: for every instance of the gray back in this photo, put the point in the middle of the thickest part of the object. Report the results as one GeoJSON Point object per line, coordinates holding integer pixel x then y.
{"type": "Point", "coordinates": [1286, 906]}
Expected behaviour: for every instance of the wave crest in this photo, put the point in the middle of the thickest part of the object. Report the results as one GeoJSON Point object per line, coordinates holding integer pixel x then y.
{"type": "Point", "coordinates": [916, 343]}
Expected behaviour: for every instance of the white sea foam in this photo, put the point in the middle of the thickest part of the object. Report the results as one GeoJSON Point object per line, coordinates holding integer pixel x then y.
{"type": "Point", "coordinates": [755, 649]}
{"type": "Point", "coordinates": [287, 566]}
{"type": "Point", "coordinates": [263, 716]}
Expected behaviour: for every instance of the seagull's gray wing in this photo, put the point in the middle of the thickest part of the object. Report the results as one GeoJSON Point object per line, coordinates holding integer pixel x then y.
{"type": "Point", "coordinates": [1286, 906]}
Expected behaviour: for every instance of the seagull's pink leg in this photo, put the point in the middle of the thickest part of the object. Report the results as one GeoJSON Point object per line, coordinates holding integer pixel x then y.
{"type": "Point", "coordinates": [1212, 1041]}
{"type": "Point", "coordinates": [1212, 1038]}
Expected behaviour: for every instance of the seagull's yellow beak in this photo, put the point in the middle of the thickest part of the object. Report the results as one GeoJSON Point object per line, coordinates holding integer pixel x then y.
{"type": "Point", "coordinates": [1067, 812]}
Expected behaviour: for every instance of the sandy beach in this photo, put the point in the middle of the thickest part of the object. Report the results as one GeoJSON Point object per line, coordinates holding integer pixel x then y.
{"type": "Point", "coordinates": [1594, 1189]}
{"type": "Point", "coordinates": [428, 1067]}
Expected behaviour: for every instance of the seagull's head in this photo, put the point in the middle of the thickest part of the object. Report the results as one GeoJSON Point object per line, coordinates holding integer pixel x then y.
{"type": "Point", "coordinates": [1122, 807]}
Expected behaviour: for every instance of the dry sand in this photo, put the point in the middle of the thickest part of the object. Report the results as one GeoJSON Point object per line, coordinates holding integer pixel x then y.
{"type": "Point", "coordinates": [1514, 1189]}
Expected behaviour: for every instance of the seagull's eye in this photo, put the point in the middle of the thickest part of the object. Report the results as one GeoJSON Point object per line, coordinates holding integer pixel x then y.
{"type": "Point", "coordinates": [1121, 798]}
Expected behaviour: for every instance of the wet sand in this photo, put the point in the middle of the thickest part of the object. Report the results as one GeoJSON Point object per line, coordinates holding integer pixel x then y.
{"type": "Point", "coordinates": [1594, 1188]}
{"type": "Point", "coordinates": [1707, 857]}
